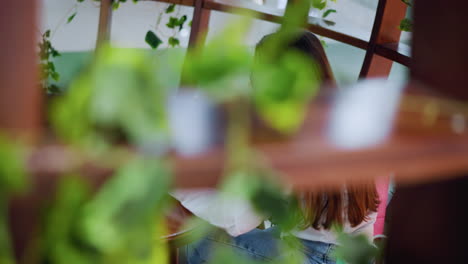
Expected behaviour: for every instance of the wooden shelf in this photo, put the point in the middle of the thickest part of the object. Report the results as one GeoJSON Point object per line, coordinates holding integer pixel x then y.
{"type": "Point", "coordinates": [414, 152]}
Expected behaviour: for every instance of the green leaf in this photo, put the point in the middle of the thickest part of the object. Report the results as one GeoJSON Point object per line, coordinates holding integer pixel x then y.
{"type": "Point", "coordinates": [80, 1]}
{"type": "Point", "coordinates": [355, 249]}
{"type": "Point", "coordinates": [47, 33]}
{"type": "Point", "coordinates": [173, 41]}
{"type": "Point", "coordinates": [181, 22]}
{"type": "Point", "coordinates": [51, 66]}
{"type": "Point", "coordinates": [53, 89]}
{"type": "Point", "coordinates": [324, 44]}
{"type": "Point", "coordinates": [55, 53]}
{"type": "Point", "coordinates": [173, 22]}
{"type": "Point", "coordinates": [12, 167]}
{"type": "Point", "coordinates": [70, 18]}
{"type": "Point", "coordinates": [126, 205]}
{"type": "Point", "coordinates": [406, 25]}
{"type": "Point", "coordinates": [115, 5]}
{"type": "Point", "coordinates": [407, 2]}
{"type": "Point", "coordinates": [319, 4]}
{"type": "Point", "coordinates": [328, 12]}
{"type": "Point", "coordinates": [170, 8]}
{"type": "Point", "coordinates": [55, 75]}
{"type": "Point", "coordinates": [282, 89]}
{"type": "Point", "coordinates": [152, 39]}
{"type": "Point", "coordinates": [190, 23]}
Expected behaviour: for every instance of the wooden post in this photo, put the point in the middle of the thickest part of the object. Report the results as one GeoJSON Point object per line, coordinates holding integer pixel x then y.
{"type": "Point", "coordinates": [428, 223]}
{"type": "Point", "coordinates": [105, 21]}
{"type": "Point", "coordinates": [385, 30]}
{"type": "Point", "coordinates": [20, 95]}
{"type": "Point", "coordinates": [200, 22]}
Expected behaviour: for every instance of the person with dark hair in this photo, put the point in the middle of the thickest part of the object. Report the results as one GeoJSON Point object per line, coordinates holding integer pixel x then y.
{"type": "Point", "coordinates": [352, 210]}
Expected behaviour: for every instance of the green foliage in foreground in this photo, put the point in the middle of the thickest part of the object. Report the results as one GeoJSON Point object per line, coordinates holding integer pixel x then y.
{"type": "Point", "coordinates": [120, 100]}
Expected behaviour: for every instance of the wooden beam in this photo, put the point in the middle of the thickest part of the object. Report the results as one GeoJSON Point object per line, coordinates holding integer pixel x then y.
{"type": "Point", "coordinates": [20, 99]}
{"type": "Point", "coordinates": [200, 22]}
{"type": "Point", "coordinates": [428, 221]}
{"type": "Point", "coordinates": [385, 30]}
{"type": "Point", "coordinates": [415, 151]}
{"type": "Point", "coordinates": [20, 95]}
{"type": "Point", "coordinates": [177, 2]}
{"type": "Point", "coordinates": [105, 22]}
{"type": "Point", "coordinates": [313, 23]}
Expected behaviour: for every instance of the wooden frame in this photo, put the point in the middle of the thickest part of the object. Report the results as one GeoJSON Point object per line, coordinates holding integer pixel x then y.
{"type": "Point", "coordinates": [384, 40]}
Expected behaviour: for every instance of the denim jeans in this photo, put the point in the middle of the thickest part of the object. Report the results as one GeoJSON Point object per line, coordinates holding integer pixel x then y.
{"type": "Point", "coordinates": [260, 245]}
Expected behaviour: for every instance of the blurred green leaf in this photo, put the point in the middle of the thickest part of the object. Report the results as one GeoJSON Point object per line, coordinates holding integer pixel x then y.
{"type": "Point", "coordinates": [119, 96]}
{"type": "Point", "coordinates": [127, 207]}
{"type": "Point", "coordinates": [170, 8]}
{"type": "Point", "coordinates": [173, 22]}
{"type": "Point", "coordinates": [182, 21]}
{"type": "Point", "coordinates": [217, 65]}
{"type": "Point", "coordinates": [173, 42]}
{"type": "Point", "coordinates": [12, 167]}
{"type": "Point", "coordinates": [328, 12]}
{"type": "Point", "coordinates": [59, 240]}
{"type": "Point", "coordinates": [70, 18]}
{"type": "Point", "coordinates": [12, 180]}
{"type": "Point", "coordinates": [319, 4]}
{"type": "Point", "coordinates": [55, 75]}
{"type": "Point", "coordinates": [152, 39]}
{"type": "Point", "coordinates": [283, 89]}
{"type": "Point", "coordinates": [355, 249]}
{"type": "Point", "coordinates": [407, 2]}
{"type": "Point", "coordinates": [406, 25]}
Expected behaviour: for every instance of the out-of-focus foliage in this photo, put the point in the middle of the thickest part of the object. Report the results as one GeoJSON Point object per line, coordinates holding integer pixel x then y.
{"type": "Point", "coordinates": [12, 167]}
{"type": "Point", "coordinates": [121, 223]}
{"type": "Point", "coordinates": [283, 87]}
{"type": "Point", "coordinates": [406, 25]}
{"type": "Point", "coordinates": [267, 196]}
{"type": "Point", "coordinates": [119, 96]}
{"type": "Point", "coordinates": [12, 180]}
{"type": "Point", "coordinates": [355, 249]}
{"type": "Point", "coordinates": [120, 100]}
{"type": "Point", "coordinates": [218, 66]}
{"type": "Point", "coordinates": [48, 72]}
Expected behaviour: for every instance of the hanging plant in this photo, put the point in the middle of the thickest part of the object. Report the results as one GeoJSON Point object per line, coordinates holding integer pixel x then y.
{"type": "Point", "coordinates": [48, 71]}
{"type": "Point", "coordinates": [406, 24]}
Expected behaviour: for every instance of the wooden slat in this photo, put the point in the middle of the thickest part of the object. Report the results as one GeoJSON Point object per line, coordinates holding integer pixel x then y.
{"type": "Point", "coordinates": [385, 30]}
{"type": "Point", "coordinates": [200, 22]}
{"type": "Point", "coordinates": [177, 2]}
{"type": "Point", "coordinates": [397, 52]}
{"type": "Point", "coordinates": [105, 22]}
{"type": "Point", "coordinates": [313, 25]}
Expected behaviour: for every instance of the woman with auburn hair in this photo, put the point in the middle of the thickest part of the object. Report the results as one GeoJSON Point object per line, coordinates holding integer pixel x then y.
{"type": "Point", "coordinates": [352, 210]}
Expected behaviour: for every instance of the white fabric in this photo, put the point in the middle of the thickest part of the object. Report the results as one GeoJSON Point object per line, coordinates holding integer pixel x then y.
{"type": "Point", "coordinates": [236, 216]}
{"type": "Point", "coordinates": [327, 236]}
{"type": "Point", "coordinates": [233, 214]}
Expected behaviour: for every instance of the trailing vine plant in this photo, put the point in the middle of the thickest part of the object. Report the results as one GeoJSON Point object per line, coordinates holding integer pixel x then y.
{"type": "Point", "coordinates": [47, 51]}
{"type": "Point", "coordinates": [406, 24]}
{"type": "Point", "coordinates": [46, 54]}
